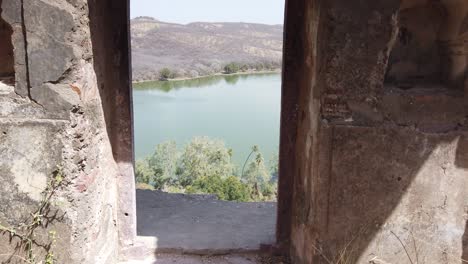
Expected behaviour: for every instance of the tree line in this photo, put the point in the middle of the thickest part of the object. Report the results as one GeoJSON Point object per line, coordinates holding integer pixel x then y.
{"type": "Point", "coordinates": [204, 166]}
{"type": "Point", "coordinates": [230, 68]}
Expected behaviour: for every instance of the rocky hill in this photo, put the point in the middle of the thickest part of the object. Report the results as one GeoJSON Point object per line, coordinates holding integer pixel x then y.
{"type": "Point", "coordinates": [202, 48]}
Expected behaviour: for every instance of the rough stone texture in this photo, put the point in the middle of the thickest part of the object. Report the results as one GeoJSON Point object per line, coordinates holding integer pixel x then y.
{"type": "Point", "coordinates": [374, 194]}
{"type": "Point", "coordinates": [201, 224]}
{"type": "Point", "coordinates": [373, 135]}
{"type": "Point", "coordinates": [48, 29]}
{"type": "Point", "coordinates": [380, 167]}
{"type": "Point", "coordinates": [109, 24]}
{"type": "Point", "coordinates": [430, 108]}
{"type": "Point", "coordinates": [54, 118]}
{"type": "Point", "coordinates": [58, 99]}
{"type": "Point", "coordinates": [30, 151]}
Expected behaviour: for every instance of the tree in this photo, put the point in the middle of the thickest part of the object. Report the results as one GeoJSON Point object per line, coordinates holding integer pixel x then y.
{"type": "Point", "coordinates": [163, 164]}
{"type": "Point", "coordinates": [143, 173]}
{"type": "Point", "coordinates": [259, 66]}
{"type": "Point", "coordinates": [270, 191]}
{"type": "Point", "coordinates": [274, 167]}
{"type": "Point", "coordinates": [235, 190]}
{"type": "Point", "coordinates": [244, 67]}
{"type": "Point", "coordinates": [165, 74]}
{"type": "Point", "coordinates": [204, 157]}
{"type": "Point", "coordinates": [255, 149]}
{"type": "Point", "coordinates": [231, 68]}
{"type": "Point", "coordinates": [257, 177]}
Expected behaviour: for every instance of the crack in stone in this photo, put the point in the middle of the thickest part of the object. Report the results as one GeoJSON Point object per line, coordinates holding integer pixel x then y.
{"type": "Point", "coordinates": [23, 26]}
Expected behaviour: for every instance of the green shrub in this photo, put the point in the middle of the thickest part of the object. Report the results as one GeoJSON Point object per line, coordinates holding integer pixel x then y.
{"type": "Point", "coordinates": [163, 164]}
{"type": "Point", "coordinates": [235, 190]}
{"type": "Point", "coordinates": [228, 189]}
{"type": "Point", "coordinates": [259, 66]}
{"type": "Point", "coordinates": [208, 184]}
{"type": "Point", "coordinates": [204, 157]}
{"type": "Point", "coordinates": [270, 191]}
{"type": "Point", "coordinates": [231, 68]}
{"type": "Point", "coordinates": [244, 67]}
{"type": "Point", "coordinates": [159, 169]}
{"type": "Point", "coordinates": [143, 173]}
{"type": "Point", "coordinates": [204, 166]}
{"type": "Point", "coordinates": [165, 74]}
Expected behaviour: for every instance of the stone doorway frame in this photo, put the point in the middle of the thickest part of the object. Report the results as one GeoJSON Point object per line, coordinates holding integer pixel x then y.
{"type": "Point", "coordinates": [298, 67]}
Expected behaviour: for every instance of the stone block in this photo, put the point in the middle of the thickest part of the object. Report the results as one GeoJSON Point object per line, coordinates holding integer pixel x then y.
{"type": "Point", "coordinates": [48, 27]}
{"type": "Point", "coordinates": [57, 99]}
{"type": "Point", "coordinates": [431, 109]}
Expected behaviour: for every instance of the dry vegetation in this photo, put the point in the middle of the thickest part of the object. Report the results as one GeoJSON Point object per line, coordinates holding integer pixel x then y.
{"type": "Point", "coordinates": [199, 49]}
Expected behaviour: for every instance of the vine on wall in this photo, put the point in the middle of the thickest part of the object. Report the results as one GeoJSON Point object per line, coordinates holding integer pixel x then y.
{"type": "Point", "coordinates": [26, 235]}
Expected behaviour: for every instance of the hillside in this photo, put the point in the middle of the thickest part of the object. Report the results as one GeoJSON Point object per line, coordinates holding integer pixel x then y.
{"type": "Point", "coordinates": [202, 48]}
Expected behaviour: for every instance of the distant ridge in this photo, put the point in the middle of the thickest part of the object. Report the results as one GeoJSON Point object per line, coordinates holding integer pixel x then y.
{"type": "Point", "coordinates": [145, 18]}
{"type": "Point", "coordinates": [202, 48]}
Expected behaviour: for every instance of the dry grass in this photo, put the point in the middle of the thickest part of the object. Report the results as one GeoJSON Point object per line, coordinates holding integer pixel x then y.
{"type": "Point", "coordinates": [347, 255]}
{"type": "Point", "coordinates": [144, 186]}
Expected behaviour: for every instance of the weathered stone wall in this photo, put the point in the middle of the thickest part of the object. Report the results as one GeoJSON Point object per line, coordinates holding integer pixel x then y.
{"type": "Point", "coordinates": [109, 23]}
{"type": "Point", "coordinates": [53, 120]}
{"type": "Point", "coordinates": [374, 133]}
{"type": "Point", "coordinates": [379, 169]}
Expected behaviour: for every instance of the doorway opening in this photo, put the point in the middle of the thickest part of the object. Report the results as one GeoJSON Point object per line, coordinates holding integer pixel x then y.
{"type": "Point", "coordinates": [207, 105]}
{"type": "Point", "coordinates": [7, 65]}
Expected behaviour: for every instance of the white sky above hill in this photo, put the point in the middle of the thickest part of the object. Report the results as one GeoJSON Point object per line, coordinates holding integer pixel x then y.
{"type": "Point", "coordinates": [186, 11]}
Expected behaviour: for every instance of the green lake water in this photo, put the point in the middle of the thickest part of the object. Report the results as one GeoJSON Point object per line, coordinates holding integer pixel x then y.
{"type": "Point", "coordinates": [242, 110]}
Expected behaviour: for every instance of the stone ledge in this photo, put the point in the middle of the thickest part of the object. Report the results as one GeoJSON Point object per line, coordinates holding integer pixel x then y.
{"type": "Point", "coordinates": [194, 224]}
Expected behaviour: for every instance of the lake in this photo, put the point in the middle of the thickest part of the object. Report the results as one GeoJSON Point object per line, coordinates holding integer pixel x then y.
{"type": "Point", "coordinates": [242, 110]}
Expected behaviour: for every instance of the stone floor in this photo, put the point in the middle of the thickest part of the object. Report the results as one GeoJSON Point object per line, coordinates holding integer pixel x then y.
{"type": "Point", "coordinates": [7, 85]}
{"type": "Point", "coordinates": [201, 224]}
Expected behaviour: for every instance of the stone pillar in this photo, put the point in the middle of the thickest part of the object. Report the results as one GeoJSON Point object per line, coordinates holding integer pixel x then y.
{"type": "Point", "coordinates": [453, 37]}
{"type": "Point", "coordinates": [380, 170]}
{"type": "Point", "coordinates": [110, 35]}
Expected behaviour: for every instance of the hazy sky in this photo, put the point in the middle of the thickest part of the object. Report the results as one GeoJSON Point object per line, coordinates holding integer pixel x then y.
{"type": "Point", "coordinates": [186, 11]}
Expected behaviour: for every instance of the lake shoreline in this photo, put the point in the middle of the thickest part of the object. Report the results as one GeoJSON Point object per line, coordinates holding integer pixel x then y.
{"type": "Point", "coordinates": [212, 75]}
